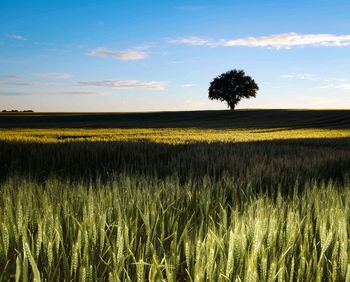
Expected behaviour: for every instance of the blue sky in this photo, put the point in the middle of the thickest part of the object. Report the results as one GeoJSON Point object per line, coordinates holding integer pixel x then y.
{"type": "Point", "coordinates": [161, 55]}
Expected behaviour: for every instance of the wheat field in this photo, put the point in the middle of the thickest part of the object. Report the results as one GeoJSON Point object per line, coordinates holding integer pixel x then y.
{"type": "Point", "coordinates": [167, 135]}
{"type": "Point", "coordinates": [175, 204]}
{"type": "Point", "coordinates": [142, 229]}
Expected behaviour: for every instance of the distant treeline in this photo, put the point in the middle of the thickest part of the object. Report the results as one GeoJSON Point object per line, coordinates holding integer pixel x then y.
{"type": "Point", "coordinates": [17, 111]}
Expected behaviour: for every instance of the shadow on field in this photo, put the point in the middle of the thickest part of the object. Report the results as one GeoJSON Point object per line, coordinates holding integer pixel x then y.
{"type": "Point", "coordinates": [263, 165]}
{"type": "Point", "coordinates": [200, 119]}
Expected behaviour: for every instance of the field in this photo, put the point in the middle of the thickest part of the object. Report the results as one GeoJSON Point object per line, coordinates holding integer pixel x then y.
{"type": "Point", "coordinates": [256, 195]}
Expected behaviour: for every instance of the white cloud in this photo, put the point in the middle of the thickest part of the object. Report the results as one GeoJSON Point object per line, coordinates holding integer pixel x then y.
{"type": "Point", "coordinates": [16, 37]}
{"type": "Point", "coordinates": [80, 93]}
{"type": "Point", "coordinates": [292, 39]}
{"type": "Point", "coordinates": [333, 82]}
{"type": "Point", "coordinates": [194, 41]}
{"type": "Point", "coordinates": [136, 84]}
{"type": "Point", "coordinates": [187, 85]}
{"type": "Point", "coordinates": [126, 55]}
{"type": "Point", "coordinates": [11, 76]}
{"type": "Point", "coordinates": [326, 86]}
{"type": "Point", "coordinates": [303, 76]}
{"type": "Point", "coordinates": [276, 41]}
{"type": "Point", "coordinates": [329, 83]}
{"type": "Point", "coordinates": [55, 75]}
{"type": "Point", "coordinates": [338, 79]}
{"type": "Point", "coordinates": [19, 82]}
{"type": "Point", "coordinates": [341, 86]}
{"type": "Point", "coordinates": [77, 93]}
{"type": "Point", "coordinates": [144, 46]}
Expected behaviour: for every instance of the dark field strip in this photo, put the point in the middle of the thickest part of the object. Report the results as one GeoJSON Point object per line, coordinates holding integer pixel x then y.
{"type": "Point", "coordinates": [200, 119]}
{"type": "Point", "coordinates": [263, 165]}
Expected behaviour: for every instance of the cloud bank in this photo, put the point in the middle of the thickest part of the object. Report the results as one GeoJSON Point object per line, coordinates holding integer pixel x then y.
{"type": "Point", "coordinates": [314, 77]}
{"type": "Point", "coordinates": [275, 41]}
{"type": "Point", "coordinates": [194, 41]}
{"type": "Point", "coordinates": [55, 75]}
{"type": "Point", "coordinates": [288, 40]}
{"type": "Point", "coordinates": [16, 37]}
{"type": "Point", "coordinates": [75, 93]}
{"type": "Point", "coordinates": [302, 76]}
{"type": "Point", "coordinates": [135, 84]}
{"type": "Point", "coordinates": [16, 82]}
{"type": "Point", "coordinates": [341, 86]}
{"type": "Point", "coordinates": [187, 85]}
{"type": "Point", "coordinates": [127, 55]}
{"type": "Point", "coordinates": [11, 76]}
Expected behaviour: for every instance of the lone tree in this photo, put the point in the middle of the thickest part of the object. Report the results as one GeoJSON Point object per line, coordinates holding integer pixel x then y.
{"type": "Point", "coordinates": [231, 87]}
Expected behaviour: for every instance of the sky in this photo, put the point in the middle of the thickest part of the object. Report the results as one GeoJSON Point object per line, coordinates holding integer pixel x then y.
{"type": "Point", "coordinates": [125, 56]}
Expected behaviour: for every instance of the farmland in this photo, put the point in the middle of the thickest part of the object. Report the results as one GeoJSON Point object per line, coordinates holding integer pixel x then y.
{"type": "Point", "coordinates": [188, 196]}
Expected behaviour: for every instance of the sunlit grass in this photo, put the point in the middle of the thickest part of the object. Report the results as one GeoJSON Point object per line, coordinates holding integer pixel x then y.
{"type": "Point", "coordinates": [167, 135]}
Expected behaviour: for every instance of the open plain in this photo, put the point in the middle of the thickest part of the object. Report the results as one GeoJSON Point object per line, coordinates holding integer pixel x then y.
{"type": "Point", "coordinates": [259, 195]}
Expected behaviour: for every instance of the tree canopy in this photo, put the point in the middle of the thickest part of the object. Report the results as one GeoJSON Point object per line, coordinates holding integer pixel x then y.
{"type": "Point", "coordinates": [231, 87]}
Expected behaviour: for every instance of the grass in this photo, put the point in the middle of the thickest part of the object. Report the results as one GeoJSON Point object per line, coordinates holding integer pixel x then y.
{"type": "Point", "coordinates": [186, 203]}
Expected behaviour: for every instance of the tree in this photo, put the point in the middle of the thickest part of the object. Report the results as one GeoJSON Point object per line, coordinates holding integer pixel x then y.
{"type": "Point", "coordinates": [231, 87]}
